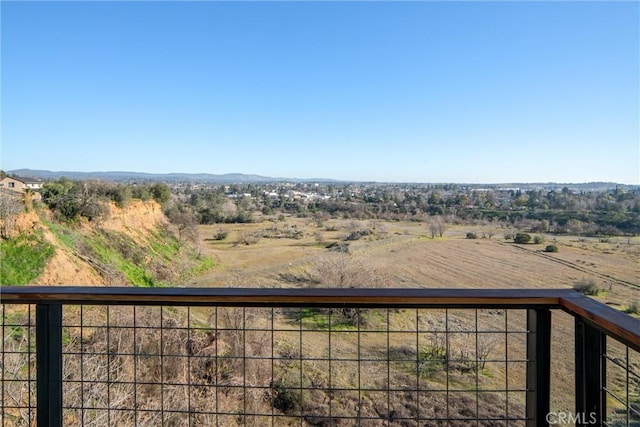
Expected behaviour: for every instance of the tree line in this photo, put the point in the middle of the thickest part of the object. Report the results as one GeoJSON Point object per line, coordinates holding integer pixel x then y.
{"type": "Point", "coordinates": [598, 212]}
{"type": "Point", "coordinates": [601, 212]}
{"type": "Point", "coordinates": [71, 200]}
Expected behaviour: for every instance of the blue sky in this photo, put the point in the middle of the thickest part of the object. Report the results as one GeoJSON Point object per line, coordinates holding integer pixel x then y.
{"type": "Point", "coordinates": [373, 91]}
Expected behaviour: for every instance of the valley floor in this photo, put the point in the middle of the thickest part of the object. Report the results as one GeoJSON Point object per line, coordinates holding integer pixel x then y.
{"type": "Point", "coordinates": [406, 255]}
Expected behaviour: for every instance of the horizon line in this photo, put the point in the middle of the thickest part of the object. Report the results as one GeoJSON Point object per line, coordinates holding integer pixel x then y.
{"type": "Point", "coordinates": [274, 178]}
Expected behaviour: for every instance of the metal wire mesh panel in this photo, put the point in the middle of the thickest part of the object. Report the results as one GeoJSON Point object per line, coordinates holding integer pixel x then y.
{"type": "Point", "coordinates": [231, 364]}
{"type": "Point", "coordinates": [18, 373]}
{"type": "Point", "coordinates": [622, 390]}
{"type": "Point", "coordinates": [293, 366]}
{"type": "Point", "coordinates": [562, 381]}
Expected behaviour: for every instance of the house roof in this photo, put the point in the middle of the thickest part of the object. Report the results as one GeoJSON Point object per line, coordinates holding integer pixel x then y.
{"type": "Point", "coordinates": [26, 180]}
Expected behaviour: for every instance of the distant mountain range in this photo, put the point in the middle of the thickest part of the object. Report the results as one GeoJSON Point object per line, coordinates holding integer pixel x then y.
{"type": "Point", "coordinates": [228, 178]}
{"type": "Point", "coordinates": [241, 178]}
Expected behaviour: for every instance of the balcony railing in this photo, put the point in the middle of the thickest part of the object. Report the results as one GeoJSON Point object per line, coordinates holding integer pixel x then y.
{"type": "Point", "coordinates": [321, 357]}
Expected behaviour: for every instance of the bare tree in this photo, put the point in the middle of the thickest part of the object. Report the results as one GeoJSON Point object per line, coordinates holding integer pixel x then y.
{"type": "Point", "coordinates": [442, 226]}
{"type": "Point", "coordinates": [187, 224]}
{"type": "Point", "coordinates": [437, 226]}
{"type": "Point", "coordinates": [249, 238]}
{"type": "Point", "coordinates": [486, 344]}
{"type": "Point", "coordinates": [433, 228]}
{"type": "Point", "coordinates": [342, 270]}
{"type": "Point", "coordinates": [28, 199]}
{"type": "Point", "coordinates": [10, 208]}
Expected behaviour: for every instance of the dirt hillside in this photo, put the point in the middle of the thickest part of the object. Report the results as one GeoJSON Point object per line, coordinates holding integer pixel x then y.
{"type": "Point", "coordinates": [136, 220]}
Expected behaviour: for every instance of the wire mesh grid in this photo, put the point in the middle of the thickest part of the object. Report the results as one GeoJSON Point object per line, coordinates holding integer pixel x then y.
{"type": "Point", "coordinates": [18, 373]}
{"type": "Point", "coordinates": [230, 366]}
{"type": "Point", "coordinates": [622, 389]}
{"type": "Point", "coordinates": [285, 366]}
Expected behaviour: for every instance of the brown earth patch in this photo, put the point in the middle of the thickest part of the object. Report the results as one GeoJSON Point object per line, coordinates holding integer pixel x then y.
{"type": "Point", "coordinates": [27, 223]}
{"type": "Point", "coordinates": [135, 217]}
{"type": "Point", "coordinates": [135, 220]}
{"type": "Point", "coordinates": [66, 269]}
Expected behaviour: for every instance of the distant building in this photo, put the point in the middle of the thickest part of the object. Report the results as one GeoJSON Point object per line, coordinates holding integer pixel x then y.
{"type": "Point", "coordinates": [20, 185]}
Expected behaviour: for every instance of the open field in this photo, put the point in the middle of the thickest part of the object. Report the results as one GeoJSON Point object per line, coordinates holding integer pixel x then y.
{"type": "Point", "coordinates": [405, 255]}
{"type": "Point", "coordinates": [299, 360]}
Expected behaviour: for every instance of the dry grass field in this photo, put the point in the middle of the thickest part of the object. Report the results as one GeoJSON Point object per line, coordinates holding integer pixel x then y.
{"type": "Point", "coordinates": [406, 256]}
{"type": "Point", "coordinates": [288, 371]}
{"type": "Point", "coordinates": [403, 255]}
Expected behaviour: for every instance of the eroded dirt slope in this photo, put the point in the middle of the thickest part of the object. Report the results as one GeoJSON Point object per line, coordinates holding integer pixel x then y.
{"type": "Point", "coordinates": [136, 221]}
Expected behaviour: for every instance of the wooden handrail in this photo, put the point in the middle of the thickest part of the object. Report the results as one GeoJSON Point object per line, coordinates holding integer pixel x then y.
{"type": "Point", "coordinates": [375, 297]}
{"type": "Point", "coordinates": [611, 321]}
{"type": "Point", "coordinates": [622, 326]}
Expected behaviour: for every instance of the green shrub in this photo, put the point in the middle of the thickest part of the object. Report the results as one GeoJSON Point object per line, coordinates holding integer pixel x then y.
{"type": "Point", "coordinates": [538, 240]}
{"type": "Point", "coordinates": [23, 259]}
{"type": "Point", "coordinates": [633, 308]}
{"type": "Point", "coordinates": [341, 247]}
{"type": "Point", "coordinates": [160, 193]}
{"type": "Point", "coordinates": [433, 357]}
{"type": "Point", "coordinates": [220, 235]}
{"type": "Point", "coordinates": [551, 248]}
{"type": "Point", "coordinates": [471, 235]}
{"type": "Point", "coordinates": [357, 235]}
{"type": "Point", "coordinates": [588, 287]}
{"type": "Point", "coordinates": [285, 398]}
{"type": "Point", "coordinates": [522, 238]}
